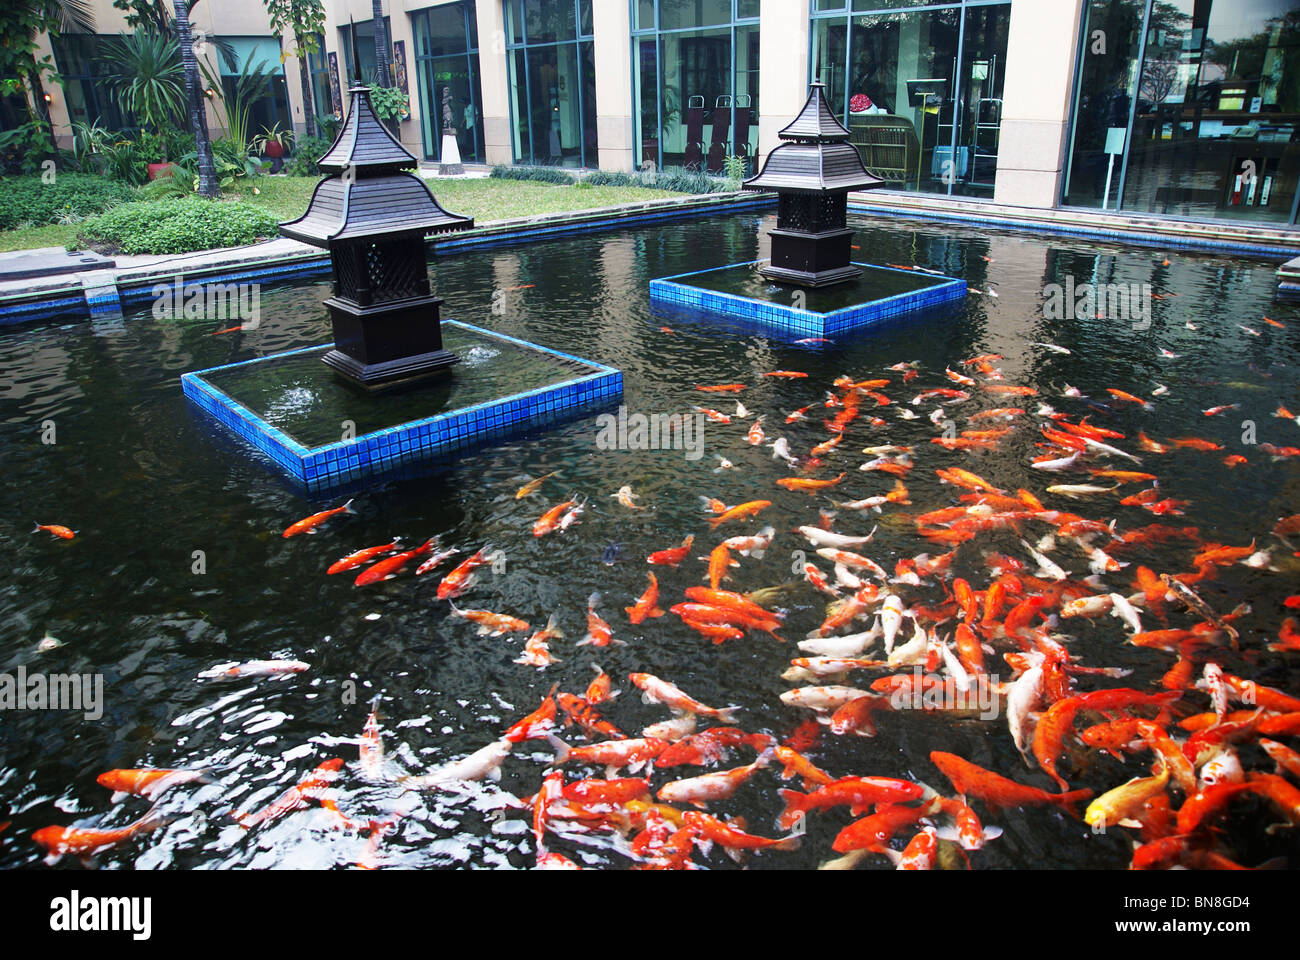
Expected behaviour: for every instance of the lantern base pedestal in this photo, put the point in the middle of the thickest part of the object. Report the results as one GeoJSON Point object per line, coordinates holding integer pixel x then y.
{"type": "Point", "coordinates": [391, 374]}
{"type": "Point", "coordinates": [801, 278]}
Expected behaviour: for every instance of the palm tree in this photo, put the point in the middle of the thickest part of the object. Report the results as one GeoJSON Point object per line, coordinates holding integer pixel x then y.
{"type": "Point", "coordinates": [208, 185]}
{"type": "Point", "coordinates": [381, 46]}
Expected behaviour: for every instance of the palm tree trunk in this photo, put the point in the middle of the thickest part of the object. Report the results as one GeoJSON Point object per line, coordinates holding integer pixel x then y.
{"type": "Point", "coordinates": [308, 108]}
{"type": "Point", "coordinates": [381, 45]}
{"type": "Point", "coordinates": [208, 185]}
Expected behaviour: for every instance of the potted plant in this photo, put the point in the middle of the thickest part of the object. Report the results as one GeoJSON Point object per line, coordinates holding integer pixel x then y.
{"type": "Point", "coordinates": [273, 144]}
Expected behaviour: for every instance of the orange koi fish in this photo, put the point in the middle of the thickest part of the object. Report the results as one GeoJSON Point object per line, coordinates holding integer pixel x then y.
{"type": "Point", "coordinates": [722, 388]}
{"type": "Point", "coordinates": [750, 509]}
{"type": "Point", "coordinates": [85, 841]}
{"type": "Point", "coordinates": [387, 568]}
{"type": "Point", "coordinates": [647, 607]}
{"type": "Point", "coordinates": [998, 792]}
{"type": "Point", "coordinates": [807, 484]}
{"type": "Point", "coordinates": [308, 524]}
{"type": "Point", "coordinates": [362, 556]}
{"type": "Point", "coordinates": [147, 783]}
{"type": "Point", "coordinates": [672, 557]}
{"type": "Point", "coordinates": [64, 533]}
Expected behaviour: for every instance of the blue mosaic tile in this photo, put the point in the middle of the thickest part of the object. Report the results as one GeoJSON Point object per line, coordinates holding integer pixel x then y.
{"type": "Point", "coordinates": [392, 450]}
{"type": "Point", "coordinates": [681, 295]}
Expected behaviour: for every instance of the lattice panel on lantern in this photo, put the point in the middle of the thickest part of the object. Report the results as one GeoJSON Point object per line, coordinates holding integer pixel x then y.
{"type": "Point", "coordinates": [347, 272]}
{"type": "Point", "coordinates": [796, 211]}
{"type": "Point", "coordinates": [396, 270]}
{"type": "Point", "coordinates": [831, 212]}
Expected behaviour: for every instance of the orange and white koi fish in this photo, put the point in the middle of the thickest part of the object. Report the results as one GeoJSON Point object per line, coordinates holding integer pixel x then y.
{"type": "Point", "coordinates": [310, 787]}
{"type": "Point", "coordinates": [709, 787]}
{"type": "Point", "coordinates": [309, 524]}
{"type": "Point", "coordinates": [599, 633]}
{"type": "Point", "coordinates": [147, 783]}
{"type": "Point", "coordinates": [1129, 398]}
{"type": "Point", "coordinates": [755, 435]}
{"type": "Point", "coordinates": [553, 519]}
{"type": "Point", "coordinates": [254, 668]}
{"type": "Point", "coordinates": [532, 485]}
{"type": "Point", "coordinates": [722, 388]}
{"type": "Point", "coordinates": [459, 580]}
{"type": "Point", "coordinates": [726, 835]}
{"type": "Point", "coordinates": [714, 415]}
{"type": "Point", "coordinates": [655, 690]}
{"type": "Point", "coordinates": [647, 607]}
{"type": "Point", "coordinates": [492, 624]}
{"type": "Point", "coordinates": [62, 532]}
{"type": "Point", "coordinates": [536, 652]}
{"type": "Point", "coordinates": [613, 755]}
{"type": "Point", "coordinates": [673, 556]}
{"type": "Point", "coordinates": [85, 841]}
{"type": "Point", "coordinates": [362, 556]}
{"type": "Point", "coordinates": [786, 374]}
{"type": "Point", "coordinates": [754, 546]}
{"type": "Point", "coordinates": [627, 498]}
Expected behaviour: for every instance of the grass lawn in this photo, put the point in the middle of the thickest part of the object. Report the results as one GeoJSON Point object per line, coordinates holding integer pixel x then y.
{"type": "Point", "coordinates": [483, 199]}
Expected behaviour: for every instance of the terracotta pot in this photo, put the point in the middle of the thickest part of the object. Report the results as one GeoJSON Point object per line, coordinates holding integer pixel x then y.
{"type": "Point", "coordinates": [157, 170]}
{"type": "Point", "coordinates": [274, 150]}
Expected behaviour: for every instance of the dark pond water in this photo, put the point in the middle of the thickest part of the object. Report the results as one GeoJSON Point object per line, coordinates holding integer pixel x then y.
{"type": "Point", "coordinates": [146, 484]}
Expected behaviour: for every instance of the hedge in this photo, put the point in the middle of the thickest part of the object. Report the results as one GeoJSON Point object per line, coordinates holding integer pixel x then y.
{"type": "Point", "coordinates": [31, 201]}
{"type": "Point", "coordinates": [179, 225]}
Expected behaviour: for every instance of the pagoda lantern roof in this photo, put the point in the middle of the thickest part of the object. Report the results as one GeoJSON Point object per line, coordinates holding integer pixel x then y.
{"type": "Point", "coordinates": [369, 192]}
{"type": "Point", "coordinates": [816, 157]}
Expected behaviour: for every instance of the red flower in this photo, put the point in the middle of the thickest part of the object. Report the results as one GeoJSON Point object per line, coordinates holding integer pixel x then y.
{"type": "Point", "coordinates": [859, 102]}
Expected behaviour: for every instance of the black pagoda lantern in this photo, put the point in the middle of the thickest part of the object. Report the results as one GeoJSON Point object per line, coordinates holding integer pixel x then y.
{"type": "Point", "coordinates": [372, 215]}
{"type": "Point", "coordinates": [812, 174]}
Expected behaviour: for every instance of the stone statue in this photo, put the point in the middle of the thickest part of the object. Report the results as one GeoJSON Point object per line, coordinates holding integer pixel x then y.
{"type": "Point", "coordinates": [446, 111]}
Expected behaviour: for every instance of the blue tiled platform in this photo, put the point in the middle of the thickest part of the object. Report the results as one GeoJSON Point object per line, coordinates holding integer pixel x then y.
{"type": "Point", "coordinates": [581, 387]}
{"type": "Point", "coordinates": [774, 309]}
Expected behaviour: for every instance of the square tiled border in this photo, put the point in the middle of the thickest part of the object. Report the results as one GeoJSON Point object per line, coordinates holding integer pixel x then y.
{"type": "Point", "coordinates": [384, 452]}
{"type": "Point", "coordinates": [675, 292]}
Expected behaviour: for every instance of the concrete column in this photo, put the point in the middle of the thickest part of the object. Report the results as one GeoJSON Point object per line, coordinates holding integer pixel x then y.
{"type": "Point", "coordinates": [782, 68]}
{"type": "Point", "coordinates": [1042, 45]}
{"type": "Point", "coordinates": [399, 27]}
{"type": "Point", "coordinates": [612, 26]}
{"type": "Point", "coordinates": [494, 81]}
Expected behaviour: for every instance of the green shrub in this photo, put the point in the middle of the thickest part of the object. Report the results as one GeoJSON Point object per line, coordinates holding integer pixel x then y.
{"type": "Point", "coordinates": [306, 151]}
{"type": "Point", "coordinates": [540, 174]}
{"type": "Point", "coordinates": [172, 186]}
{"type": "Point", "coordinates": [31, 201]}
{"type": "Point", "coordinates": [602, 178]}
{"type": "Point", "coordinates": [178, 225]}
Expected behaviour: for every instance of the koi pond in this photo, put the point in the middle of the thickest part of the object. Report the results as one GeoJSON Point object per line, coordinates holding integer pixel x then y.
{"type": "Point", "coordinates": [179, 565]}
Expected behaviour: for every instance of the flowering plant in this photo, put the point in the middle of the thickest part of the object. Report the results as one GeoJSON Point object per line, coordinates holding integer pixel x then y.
{"type": "Point", "coordinates": [859, 103]}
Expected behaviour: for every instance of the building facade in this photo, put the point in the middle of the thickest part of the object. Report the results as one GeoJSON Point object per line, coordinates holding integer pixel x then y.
{"type": "Point", "coordinates": [1164, 108]}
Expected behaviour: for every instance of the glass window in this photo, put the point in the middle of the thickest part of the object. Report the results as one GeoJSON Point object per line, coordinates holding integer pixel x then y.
{"type": "Point", "coordinates": [444, 28]}
{"type": "Point", "coordinates": [676, 14]}
{"type": "Point", "coordinates": [645, 15]}
{"type": "Point", "coordinates": [85, 89]}
{"type": "Point", "coordinates": [696, 91]}
{"type": "Point", "coordinates": [254, 53]}
{"type": "Point", "coordinates": [1103, 96]}
{"type": "Point", "coordinates": [550, 22]}
{"type": "Point", "coordinates": [552, 84]}
{"type": "Point", "coordinates": [365, 50]}
{"type": "Point", "coordinates": [584, 18]}
{"type": "Point", "coordinates": [1199, 116]}
{"type": "Point", "coordinates": [439, 30]}
{"type": "Point", "coordinates": [919, 90]}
